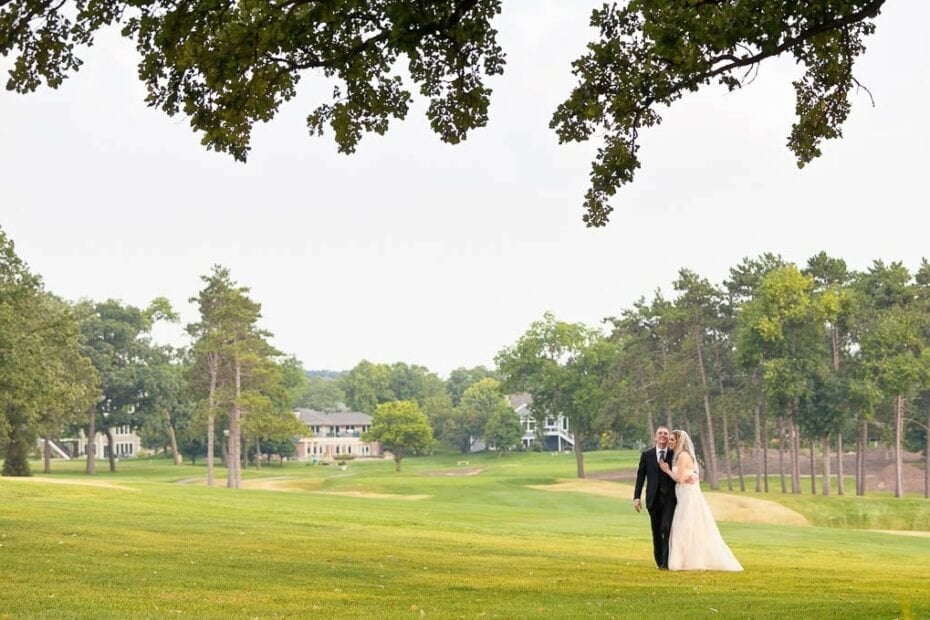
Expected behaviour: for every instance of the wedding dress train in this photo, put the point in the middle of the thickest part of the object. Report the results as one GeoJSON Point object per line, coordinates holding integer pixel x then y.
{"type": "Point", "coordinates": [695, 542]}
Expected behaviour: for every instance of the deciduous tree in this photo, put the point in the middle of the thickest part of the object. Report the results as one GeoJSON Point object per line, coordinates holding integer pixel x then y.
{"type": "Point", "coordinates": [402, 428]}
{"type": "Point", "coordinates": [228, 66]}
{"type": "Point", "coordinates": [563, 366]}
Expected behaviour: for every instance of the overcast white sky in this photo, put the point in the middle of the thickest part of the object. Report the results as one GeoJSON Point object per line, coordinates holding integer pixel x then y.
{"type": "Point", "coordinates": [412, 250]}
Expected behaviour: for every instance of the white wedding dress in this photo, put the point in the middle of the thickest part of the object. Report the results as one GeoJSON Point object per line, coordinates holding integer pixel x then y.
{"type": "Point", "coordinates": [695, 542]}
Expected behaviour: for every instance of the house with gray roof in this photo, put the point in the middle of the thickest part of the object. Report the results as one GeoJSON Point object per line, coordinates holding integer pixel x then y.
{"type": "Point", "coordinates": [552, 431]}
{"type": "Point", "coordinates": [335, 435]}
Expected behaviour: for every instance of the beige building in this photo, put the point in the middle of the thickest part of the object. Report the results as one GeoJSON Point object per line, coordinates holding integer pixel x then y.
{"type": "Point", "coordinates": [335, 435]}
{"type": "Point", "coordinates": [126, 443]}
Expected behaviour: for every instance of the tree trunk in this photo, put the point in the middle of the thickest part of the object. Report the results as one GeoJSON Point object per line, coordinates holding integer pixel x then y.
{"type": "Point", "coordinates": [47, 456]}
{"type": "Point", "coordinates": [91, 450]}
{"type": "Point", "coordinates": [174, 441]}
{"type": "Point", "coordinates": [795, 455]}
{"type": "Point", "coordinates": [898, 434]}
{"type": "Point", "coordinates": [813, 469]}
{"type": "Point", "coordinates": [650, 423]}
{"type": "Point", "coordinates": [258, 454]}
{"type": "Point", "coordinates": [726, 432]}
{"type": "Point", "coordinates": [579, 455]}
{"type": "Point", "coordinates": [710, 450]}
{"type": "Point", "coordinates": [826, 465]}
{"type": "Point", "coordinates": [927, 460]}
{"type": "Point", "coordinates": [238, 410]}
{"type": "Point", "coordinates": [860, 458]}
{"type": "Point", "coordinates": [757, 445]}
{"type": "Point", "coordinates": [765, 452]}
{"type": "Point", "coordinates": [16, 461]}
{"type": "Point", "coordinates": [835, 346]}
{"type": "Point", "coordinates": [781, 453]}
{"type": "Point", "coordinates": [726, 451]}
{"type": "Point", "coordinates": [835, 342]}
{"type": "Point", "coordinates": [739, 460]}
{"type": "Point", "coordinates": [213, 364]}
{"type": "Point", "coordinates": [234, 475]}
{"type": "Point", "coordinates": [110, 448]}
{"type": "Point", "coordinates": [668, 409]}
{"type": "Point", "coordinates": [839, 463]}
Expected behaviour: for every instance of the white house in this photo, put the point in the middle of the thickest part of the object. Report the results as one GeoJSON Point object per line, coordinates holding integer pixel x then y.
{"type": "Point", "coordinates": [554, 433]}
{"type": "Point", "coordinates": [335, 434]}
{"type": "Point", "coordinates": [126, 443]}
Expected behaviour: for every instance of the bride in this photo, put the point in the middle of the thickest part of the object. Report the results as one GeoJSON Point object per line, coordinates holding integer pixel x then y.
{"type": "Point", "coordinates": [695, 542]}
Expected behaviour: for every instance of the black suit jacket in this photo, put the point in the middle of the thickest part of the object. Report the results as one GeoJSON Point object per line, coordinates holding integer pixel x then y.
{"type": "Point", "coordinates": [649, 472]}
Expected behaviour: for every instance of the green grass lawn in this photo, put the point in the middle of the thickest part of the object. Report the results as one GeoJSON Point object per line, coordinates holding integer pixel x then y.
{"type": "Point", "coordinates": [345, 544]}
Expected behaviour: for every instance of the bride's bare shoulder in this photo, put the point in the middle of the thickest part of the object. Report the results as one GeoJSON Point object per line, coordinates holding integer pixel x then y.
{"type": "Point", "coordinates": [684, 460]}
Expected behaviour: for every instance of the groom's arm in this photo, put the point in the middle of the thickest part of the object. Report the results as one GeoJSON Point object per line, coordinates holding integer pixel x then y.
{"type": "Point", "coordinates": [640, 479]}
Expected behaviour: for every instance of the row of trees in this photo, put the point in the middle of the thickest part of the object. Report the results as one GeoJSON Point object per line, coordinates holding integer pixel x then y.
{"type": "Point", "coordinates": [776, 357]}
{"type": "Point", "coordinates": [93, 366]}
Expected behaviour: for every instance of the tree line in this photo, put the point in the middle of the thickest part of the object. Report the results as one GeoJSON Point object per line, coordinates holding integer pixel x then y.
{"type": "Point", "coordinates": [807, 362]}
{"type": "Point", "coordinates": [804, 363]}
{"type": "Point", "coordinates": [93, 367]}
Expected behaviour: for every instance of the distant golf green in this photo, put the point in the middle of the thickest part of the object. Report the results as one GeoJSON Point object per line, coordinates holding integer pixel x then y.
{"type": "Point", "coordinates": [510, 537]}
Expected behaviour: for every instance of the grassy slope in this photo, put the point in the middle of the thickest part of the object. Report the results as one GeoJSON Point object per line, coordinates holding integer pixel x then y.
{"type": "Point", "coordinates": [479, 546]}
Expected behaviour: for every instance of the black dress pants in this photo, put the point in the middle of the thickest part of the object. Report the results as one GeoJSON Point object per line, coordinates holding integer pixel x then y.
{"type": "Point", "coordinates": [660, 517]}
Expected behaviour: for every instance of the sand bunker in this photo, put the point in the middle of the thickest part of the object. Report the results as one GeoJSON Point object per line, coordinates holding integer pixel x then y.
{"type": "Point", "coordinates": [725, 507]}
{"type": "Point", "coordinates": [304, 485]}
{"type": "Point", "coordinates": [919, 534]}
{"type": "Point", "coordinates": [461, 471]}
{"type": "Point", "coordinates": [84, 483]}
{"type": "Point", "coordinates": [368, 495]}
{"type": "Point", "coordinates": [283, 483]}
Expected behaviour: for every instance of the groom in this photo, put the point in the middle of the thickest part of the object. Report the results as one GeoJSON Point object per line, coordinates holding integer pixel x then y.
{"type": "Point", "coordinates": [660, 494]}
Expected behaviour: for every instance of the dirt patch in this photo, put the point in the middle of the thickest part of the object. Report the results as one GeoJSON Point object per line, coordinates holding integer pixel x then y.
{"type": "Point", "coordinates": [902, 533]}
{"type": "Point", "coordinates": [278, 483]}
{"type": "Point", "coordinates": [879, 470]}
{"type": "Point", "coordinates": [283, 483]}
{"type": "Point", "coordinates": [367, 495]}
{"type": "Point", "coordinates": [472, 471]}
{"type": "Point", "coordinates": [725, 507]}
{"type": "Point", "coordinates": [84, 483]}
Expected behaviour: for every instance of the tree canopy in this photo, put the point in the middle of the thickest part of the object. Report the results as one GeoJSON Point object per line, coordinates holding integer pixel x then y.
{"type": "Point", "coordinates": [401, 428]}
{"type": "Point", "coordinates": [45, 380]}
{"type": "Point", "coordinates": [227, 66]}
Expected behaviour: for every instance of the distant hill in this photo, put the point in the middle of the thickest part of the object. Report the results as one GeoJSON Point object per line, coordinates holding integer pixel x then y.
{"type": "Point", "coordinates": [324, 374]}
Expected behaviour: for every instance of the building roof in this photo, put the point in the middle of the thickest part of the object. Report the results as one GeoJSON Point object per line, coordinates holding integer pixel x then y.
{"type": "Point", "coordinates": [518, 400]}
{"type": "Point", "coordinates": [312, 417]}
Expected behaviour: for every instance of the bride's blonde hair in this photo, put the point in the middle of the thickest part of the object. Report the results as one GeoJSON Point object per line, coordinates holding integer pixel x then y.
{"type": "Point", "coordinates": [683, 443]}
